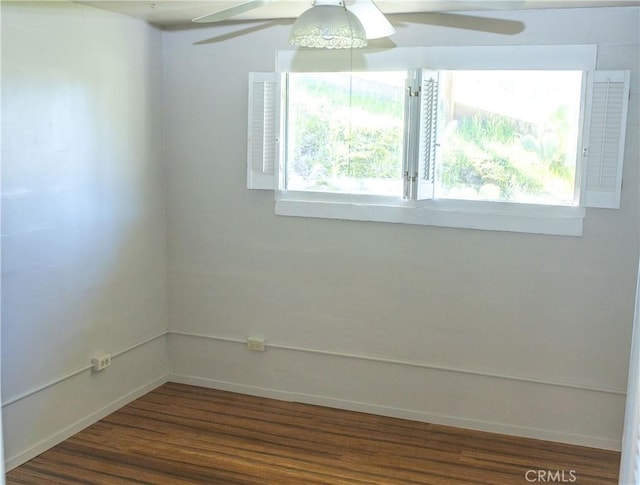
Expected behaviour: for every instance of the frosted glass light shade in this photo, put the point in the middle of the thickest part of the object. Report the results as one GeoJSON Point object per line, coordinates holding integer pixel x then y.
{"type": "Point", "coordinates": [328, 27]}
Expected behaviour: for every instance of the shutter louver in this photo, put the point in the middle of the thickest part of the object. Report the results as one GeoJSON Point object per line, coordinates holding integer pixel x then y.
{"type": "Point", "coordinates": [428, 134]}
{"type": "Point", "coordinates": [606, 135]}
{"type": "Point", "coordinates": [263, 130]}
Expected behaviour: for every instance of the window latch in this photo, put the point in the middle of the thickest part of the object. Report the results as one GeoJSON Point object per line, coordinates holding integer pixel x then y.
{"type": "Point", "coordinates": [409, 184]}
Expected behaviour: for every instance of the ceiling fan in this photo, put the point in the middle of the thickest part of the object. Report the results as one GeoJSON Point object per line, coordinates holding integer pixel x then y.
{"type": "Point", "coordinates": [365, 21]}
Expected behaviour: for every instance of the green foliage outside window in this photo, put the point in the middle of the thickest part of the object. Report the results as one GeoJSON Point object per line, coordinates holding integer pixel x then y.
{"type": "Point", "coordinates": [341, 133]}
{"type": "Point", "coordinates": [506, 158]}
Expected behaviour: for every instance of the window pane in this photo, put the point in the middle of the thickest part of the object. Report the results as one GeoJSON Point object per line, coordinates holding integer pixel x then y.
{"type": "Point", "coordinates": [509, 135]}
{"type": "Point", "coordinates": [345, 132]}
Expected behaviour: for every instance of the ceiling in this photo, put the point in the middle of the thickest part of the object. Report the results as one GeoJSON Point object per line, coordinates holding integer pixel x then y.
{"type": "Point", "coordinates": [180, 12]}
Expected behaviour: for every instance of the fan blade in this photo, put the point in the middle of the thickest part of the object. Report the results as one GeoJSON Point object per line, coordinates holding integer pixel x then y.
{"type": "Point", "coordinates": [489, 5]}
{"type": "Point", "coordinates": [247, 27]}
{"type": "Point", "coordinates": [227, 13]}
{"type": "Point", "coordinates": [466, 22]}
{"type": "Point", "coordinates": [372, 19]}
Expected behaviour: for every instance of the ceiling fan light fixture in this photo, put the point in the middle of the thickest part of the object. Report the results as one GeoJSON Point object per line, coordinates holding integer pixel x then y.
{"type": "Point", "coordinates": [328, 25]}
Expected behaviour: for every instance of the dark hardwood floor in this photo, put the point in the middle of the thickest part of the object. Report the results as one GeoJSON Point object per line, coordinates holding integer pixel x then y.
{"type": "Point", "coordinates": [180, 434]}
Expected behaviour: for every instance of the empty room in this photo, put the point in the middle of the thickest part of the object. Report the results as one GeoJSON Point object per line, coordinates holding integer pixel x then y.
{"type": "Point", "coordinates": [391, 242]}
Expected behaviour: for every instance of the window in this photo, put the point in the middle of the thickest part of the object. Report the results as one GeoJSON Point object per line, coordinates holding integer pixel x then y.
{"type": "Point", "coordinates": [509, 135]}
{"type": "Point", "coordinates": [344, 132]}
{"type": "Point", "coordinates": [489, 138]}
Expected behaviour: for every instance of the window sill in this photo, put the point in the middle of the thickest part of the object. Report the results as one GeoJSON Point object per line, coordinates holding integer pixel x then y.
{"type": "Point", "coordinates": [489, 216]}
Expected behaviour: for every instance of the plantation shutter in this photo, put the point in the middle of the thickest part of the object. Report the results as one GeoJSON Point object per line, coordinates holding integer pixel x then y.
{"type": "Point", "coordinates": [428, 135]}
{"type": "Point", "coordinates": [604, 149]}
{"type": "Point", "coordinates": [262, 141]}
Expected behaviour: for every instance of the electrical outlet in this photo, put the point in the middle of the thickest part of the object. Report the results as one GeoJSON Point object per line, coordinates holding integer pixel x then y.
{"type": "Point", "coordinates": [101, 362]}
{"type": "Point", "coordinates": [255, 343]}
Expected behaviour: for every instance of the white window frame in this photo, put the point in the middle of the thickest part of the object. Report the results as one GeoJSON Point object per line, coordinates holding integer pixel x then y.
{"type": "Point", "coordinates": [499, 216]}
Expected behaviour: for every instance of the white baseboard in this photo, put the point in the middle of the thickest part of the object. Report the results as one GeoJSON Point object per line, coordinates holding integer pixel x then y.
{"type": "Point", "coordinates": [492, 427]}
{"type": "Point", "coordinates": [78, 426]}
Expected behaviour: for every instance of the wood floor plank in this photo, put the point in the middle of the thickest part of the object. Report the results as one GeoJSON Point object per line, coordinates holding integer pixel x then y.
{"type": "Point", "coordinates": [185, 435]}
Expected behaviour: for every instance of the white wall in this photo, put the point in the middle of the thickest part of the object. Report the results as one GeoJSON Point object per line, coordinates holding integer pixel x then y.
{"type": "Point", "coordinates": [630, 460]}
{"type": "Point", "coordinates": [83, 218]}
{"type": "Point", "coordinates": [2, 467]}
{"type": "Point", "coordinates": [516, 333]}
